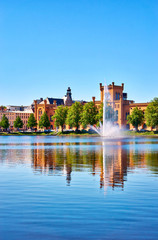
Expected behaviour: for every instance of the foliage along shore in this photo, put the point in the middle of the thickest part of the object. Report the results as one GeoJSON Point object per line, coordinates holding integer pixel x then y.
{"type": "Point", "coordinates": [65, 133]}
{"type": "Point", "coordinates": [74, 133]}
{"type": "Point", "coordinates": [139, 133]}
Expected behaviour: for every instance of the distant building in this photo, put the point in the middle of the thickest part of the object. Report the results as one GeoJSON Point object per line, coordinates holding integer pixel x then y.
{"type": "Point", "coordinates": [18, 108]}
{"type": "Point", "coordinates": [33, 104]}
{"type": "Point", "coordinates": [49, 105]}
{"type": "Point", "coordinates": [12, 115]}
{"type": "Point", "coordinates": [118, 101]}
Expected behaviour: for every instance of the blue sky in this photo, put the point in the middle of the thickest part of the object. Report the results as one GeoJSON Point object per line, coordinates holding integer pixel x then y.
{"type": "Point", "coordinates": [46, 46]}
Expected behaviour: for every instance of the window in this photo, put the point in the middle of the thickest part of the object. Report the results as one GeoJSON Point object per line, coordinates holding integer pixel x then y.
{"type": "Point", "coordinates": [116, 113]}
{"type": "Point", "coordinates": [117, 96]}
{"type": "Point", "coordinates": [40, 112]}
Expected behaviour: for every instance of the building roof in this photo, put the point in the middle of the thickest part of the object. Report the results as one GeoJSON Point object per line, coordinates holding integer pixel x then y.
{"type": "Point", "coordinates": [139, 104]}
{"type": "Point", "coordinates": [38, 101]}
{"type": "Point", "coordinates": [59, 101]}
{"type": "Point", "coordinates": [17, 106]}
{"type": "Point", "coordinates": [9, 111]}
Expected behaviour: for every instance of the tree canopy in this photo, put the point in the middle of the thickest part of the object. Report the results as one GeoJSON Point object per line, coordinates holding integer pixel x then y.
{"type": "Point", "coordinates": [100, 113]}
{"type": "Point", "coordinates": [31, 121]}
{"type": "Point", "coordinates": [3, 107]}
{"type": "Point", "coordinates": [89, 114]}
{"type": "Point", "coordinates": [44, 121]}
{"type": "Point", "coordinates": [60, 116]}
{"type": "Point", "coordinates": [151, 113]}
{"type": "Point", "coordinates": [74, 115]}
{"type": "Point", "coordinates": [4, 122]}
{"type": "Point", "coordinates": [136, 118]}
{"type": "Point", "coordinates": [110, 114]}
{"type": "Point", "coordinates": [18, 123]}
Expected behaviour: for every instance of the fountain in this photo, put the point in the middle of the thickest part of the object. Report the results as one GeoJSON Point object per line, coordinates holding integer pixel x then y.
{"type": "Point", "coordinates": [108, 129]}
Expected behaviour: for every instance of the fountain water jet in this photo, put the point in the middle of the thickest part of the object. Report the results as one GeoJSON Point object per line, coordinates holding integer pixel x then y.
{"type": "Point", "coordinates": [108, 129]}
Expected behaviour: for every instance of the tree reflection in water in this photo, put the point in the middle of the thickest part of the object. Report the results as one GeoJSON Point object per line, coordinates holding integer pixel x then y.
{"type": "Point", "coordinates": [111, 161]}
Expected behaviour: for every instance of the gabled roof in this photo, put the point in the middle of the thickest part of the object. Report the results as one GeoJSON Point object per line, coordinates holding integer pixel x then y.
{"type": "Point", "coordinates": [38, 101]}
{"type": "Point", "coordinates": [59, 101]}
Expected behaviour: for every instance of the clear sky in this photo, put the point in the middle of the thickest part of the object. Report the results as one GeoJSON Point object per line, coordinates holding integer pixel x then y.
{"type": "Point", "coordinates": [48, 45]}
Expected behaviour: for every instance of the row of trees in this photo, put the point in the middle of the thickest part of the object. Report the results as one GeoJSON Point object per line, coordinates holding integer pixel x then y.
{"type": "Point", "coordinates": [77, 115]}
{"type": "Point", "coordinates": [87, 114]}
{"type": "Point", "coordinates": [150, 116]}
{"type": "Point", "coordinates": [18, 123]}
{"type": "Point", "coordinates": [74, 116]}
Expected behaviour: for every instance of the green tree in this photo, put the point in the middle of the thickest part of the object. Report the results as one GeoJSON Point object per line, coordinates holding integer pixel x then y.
{"type": "Point", "coordinates": [4, 122]}
{"type": "Point", "coordinates": [60, 116]}
{"type": "Point", "coordinates": [44, 121]}
{"type": "Point", "coordinates": [2, 107]}
{"type": "Point", "coordinates": [100, 113]}
{"type": "Point", "coordinates": [136, 118]}
{"type": "Point", "coordinates": [18, 123]}
{"type": "Point", "coordinates": [151, 113]}
{"type": "Point", "coordinates": [89, 115]}
{"type": "Point", "coordinates": [74, 115]}
{"type": "Point", "coordinates": [110, 114]}
{"type": "Point", "coordinates": [31, 121]}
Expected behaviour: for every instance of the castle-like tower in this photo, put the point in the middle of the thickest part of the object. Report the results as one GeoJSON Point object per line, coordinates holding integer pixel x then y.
{"type": "Point", "coordinates": [120, 104]}
{"type": "Point", "coordinates": [118, 101]}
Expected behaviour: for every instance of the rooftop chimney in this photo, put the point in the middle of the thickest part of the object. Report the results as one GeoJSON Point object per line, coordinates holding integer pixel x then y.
{"type": "Point", "coordinates": [93, 99]}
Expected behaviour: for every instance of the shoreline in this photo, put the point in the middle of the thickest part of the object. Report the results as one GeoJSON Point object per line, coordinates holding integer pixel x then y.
{"type": "Point", "coordinates": [72, 134]}
{"type": "Point", "coordinates": [49, 134]}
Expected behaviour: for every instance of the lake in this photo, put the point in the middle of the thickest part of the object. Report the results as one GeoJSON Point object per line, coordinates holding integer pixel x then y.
{"type": "Point", "coordinates": [78, 188]}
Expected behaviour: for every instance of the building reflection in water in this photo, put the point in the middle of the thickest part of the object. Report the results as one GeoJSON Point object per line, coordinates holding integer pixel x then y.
{"type": "Point", "coordinates": [111, 161]}
{"type": "Point", "coordinates": [65, 158]}
{"type": "Point", "coordinates": [115, 163]}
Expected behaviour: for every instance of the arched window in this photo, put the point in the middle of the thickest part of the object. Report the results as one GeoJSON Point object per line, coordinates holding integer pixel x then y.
{"type": "Point", "coordinates": [40, 111]}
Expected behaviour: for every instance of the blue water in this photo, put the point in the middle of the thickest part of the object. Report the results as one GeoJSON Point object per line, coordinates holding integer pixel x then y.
{"type": "Point", "coordinates": [78, 188]}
